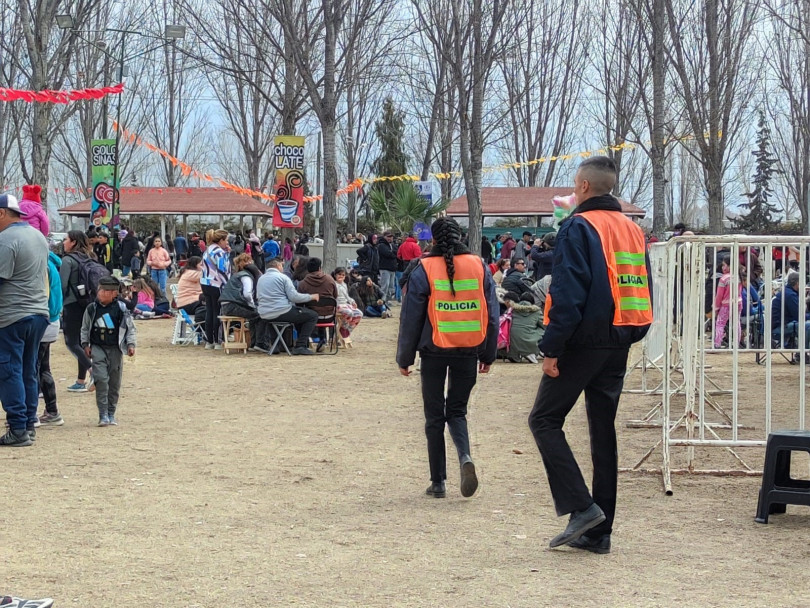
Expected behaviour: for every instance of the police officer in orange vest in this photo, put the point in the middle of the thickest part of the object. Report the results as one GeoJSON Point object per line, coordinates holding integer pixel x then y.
{"type": "Point", "coordinates": [598, 305]}
{"type": "Point", "coordinates": [450, 315]}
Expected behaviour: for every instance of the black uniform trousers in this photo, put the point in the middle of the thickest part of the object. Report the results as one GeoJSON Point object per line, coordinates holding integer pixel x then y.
{"type": "Point", "coordinates": [461, 374]}
{"type": "Point", "coordinates": [600, 374]}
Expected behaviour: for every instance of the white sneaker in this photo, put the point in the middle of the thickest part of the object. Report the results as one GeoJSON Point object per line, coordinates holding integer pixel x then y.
{"type": "Point", "coordinates": [209, 346]}
{"type": "Point", "coordinates": [218, 346]}
{"type": "Point", "coordinates": [532, 358]}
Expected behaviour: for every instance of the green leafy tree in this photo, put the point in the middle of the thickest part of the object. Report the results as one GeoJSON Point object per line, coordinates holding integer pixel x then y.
{"type": "Point", "coordinates": [393, 160]}
{"type": "Point", "coordinates": [404, 208]}
{"type": "Point", "coordinates": [760, 216]}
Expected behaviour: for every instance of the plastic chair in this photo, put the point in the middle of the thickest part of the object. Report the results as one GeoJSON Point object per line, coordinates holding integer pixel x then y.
{"type": "Point", "coordinates": [327, 323]}
{"type": "Point", "coordinates": [779, 489]}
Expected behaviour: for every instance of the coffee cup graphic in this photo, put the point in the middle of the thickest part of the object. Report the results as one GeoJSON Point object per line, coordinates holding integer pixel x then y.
{"type": "Point", "coordinates": [288, 209]}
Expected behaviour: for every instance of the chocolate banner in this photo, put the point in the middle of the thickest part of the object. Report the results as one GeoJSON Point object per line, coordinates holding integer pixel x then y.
{"type": "Point", "coordinates": [288, 153]}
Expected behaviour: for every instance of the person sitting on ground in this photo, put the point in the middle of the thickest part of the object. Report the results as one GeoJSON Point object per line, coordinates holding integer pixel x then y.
{"type": "Point", "coordinates": [238, 299]}
{"type": "Point", "coordinates": [502, 266]}
{"type": "Point", "coordinates": [516, 279]}
{"type": "Point", "coordinates": [322, 284]}
{"type": "Point", "coordinates": [372, 296]}
{"type": "Point", "coordinates": [527, 327]}
{"type": "Point", "coordinates": [189, 289]}
{"type": "Point", "coordinates": [786, 328]}
{"type": "Point", "coordinates": [349, 314]}
{"type": "Point", "coordinates": [151, 301]}
{"type": "Point", "coordinates": [277, 303]}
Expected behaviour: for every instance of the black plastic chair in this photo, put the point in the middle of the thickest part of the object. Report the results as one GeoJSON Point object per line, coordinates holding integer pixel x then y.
{"type": "Point", "coordinates": [779, 489]}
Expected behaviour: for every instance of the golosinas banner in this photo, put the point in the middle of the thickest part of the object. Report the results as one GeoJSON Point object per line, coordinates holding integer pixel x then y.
{"type": "Point", "coordinates": [104, 206]}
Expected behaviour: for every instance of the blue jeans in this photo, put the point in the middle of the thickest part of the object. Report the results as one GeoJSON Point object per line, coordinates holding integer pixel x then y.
{"type": "Point", "coordinates": [125, 271]}
{"type": "Point", "coordinates": [159, 277]}
{"type": "Point", "coordinates": [19, 378]}
{"type": "Point", "coordinates": [399, 289]}
{"type": "Point", "coordinates": [792, 335]}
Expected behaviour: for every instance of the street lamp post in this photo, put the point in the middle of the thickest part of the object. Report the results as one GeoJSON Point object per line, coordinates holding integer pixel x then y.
{"type": "Point", "coordinates": [171, 33]}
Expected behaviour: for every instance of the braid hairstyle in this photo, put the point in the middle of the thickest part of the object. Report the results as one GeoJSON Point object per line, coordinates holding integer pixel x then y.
{"type": "Point", "coordinates": [447, 236]}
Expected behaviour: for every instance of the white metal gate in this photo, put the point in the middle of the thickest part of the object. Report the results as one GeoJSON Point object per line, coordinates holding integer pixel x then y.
{"type": "Point", "coordinates": [722, 390]}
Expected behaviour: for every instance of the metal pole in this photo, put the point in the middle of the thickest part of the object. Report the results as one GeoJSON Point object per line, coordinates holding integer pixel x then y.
{"type": "Point", "coordinates": [116, 210]}
{"type": "Point", "coordinates": [318, 186]}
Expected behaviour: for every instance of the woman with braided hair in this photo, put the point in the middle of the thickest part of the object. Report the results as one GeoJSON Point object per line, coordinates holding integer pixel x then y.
{"type": "Point", "coordinates": [450, 315]}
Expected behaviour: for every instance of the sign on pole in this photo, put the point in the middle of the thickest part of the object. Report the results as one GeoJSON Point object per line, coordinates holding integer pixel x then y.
{"type": "Point", "coordinates": [104, 208]}
{"type": "Point", "coordinates": [288, 210]}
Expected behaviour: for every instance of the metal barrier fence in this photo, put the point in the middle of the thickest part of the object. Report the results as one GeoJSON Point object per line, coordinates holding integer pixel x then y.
{"type": "Point", "coordinates": [728, 351]}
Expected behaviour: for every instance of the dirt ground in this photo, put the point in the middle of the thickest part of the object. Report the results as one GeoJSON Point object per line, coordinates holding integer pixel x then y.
{"type": "Point", "coordinates": [276, 481]}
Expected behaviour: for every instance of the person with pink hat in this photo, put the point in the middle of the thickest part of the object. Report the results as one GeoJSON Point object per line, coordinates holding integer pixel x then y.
{"type": "Point", "coordinates": [31, 205]}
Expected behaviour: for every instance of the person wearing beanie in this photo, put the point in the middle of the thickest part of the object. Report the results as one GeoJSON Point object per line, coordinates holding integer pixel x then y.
{"type": "Point", "coordinates": [34, 213]}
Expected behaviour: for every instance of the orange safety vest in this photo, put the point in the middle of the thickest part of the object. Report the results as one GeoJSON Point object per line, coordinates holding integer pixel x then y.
{"type": "Point", "coordinates": [460, 320]}
{"type": "Point", "coordinates": [624, 247]}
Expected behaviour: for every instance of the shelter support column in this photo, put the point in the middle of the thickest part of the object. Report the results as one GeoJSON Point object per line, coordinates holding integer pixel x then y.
{"type": "Point", "coordinates": [163, 228]}
{"type": "Point", "coordinates": [221, 222]}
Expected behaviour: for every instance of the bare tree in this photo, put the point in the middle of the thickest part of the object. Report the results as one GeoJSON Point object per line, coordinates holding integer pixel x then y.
{"type": "Point", "coordinates": [475, 28]}
{"type": "Point", "coordinates": [335, 26]}
{"type": "Point", "coordinates": [49, 53]}
{"type": "Point", "coordinates": [788, 54]}
{"type": "Point", "coordinates": [541, 67]}
{"type": "Point", "coordinates": [10, 77]}
{"type": "Point", "coordinates": [709, 52]}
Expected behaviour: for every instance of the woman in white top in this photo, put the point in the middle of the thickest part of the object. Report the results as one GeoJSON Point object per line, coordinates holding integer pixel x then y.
{"type": "Point", "coordinates": [348, 315]}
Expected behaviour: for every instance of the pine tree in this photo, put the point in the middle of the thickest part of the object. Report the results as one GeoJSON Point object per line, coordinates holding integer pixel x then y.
{"type": "Point", "coordinates": [393, 160]}
{"type": "Point", "coordinates": [759, 219]}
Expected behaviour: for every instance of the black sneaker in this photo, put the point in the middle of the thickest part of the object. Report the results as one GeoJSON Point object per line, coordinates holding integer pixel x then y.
{"type": "Point", "coordinates": [598, 544]}
{"type": "Point", "coordinates": [14, 439]}
{"type": "Point", "coordinates": [32, 433]}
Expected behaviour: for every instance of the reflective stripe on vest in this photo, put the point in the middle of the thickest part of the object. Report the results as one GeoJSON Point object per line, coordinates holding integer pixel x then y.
{"type": "Point", "coordinates": [460, 320]}
{"type": "Point", "coordinates": [624, 246]}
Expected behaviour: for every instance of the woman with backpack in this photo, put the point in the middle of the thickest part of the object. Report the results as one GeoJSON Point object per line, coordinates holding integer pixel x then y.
{"type": "Point", "coordinates": [76, 296]}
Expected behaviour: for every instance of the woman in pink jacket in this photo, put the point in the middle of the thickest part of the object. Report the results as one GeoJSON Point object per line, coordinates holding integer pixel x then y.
{"type": "Point", "coordinates": [31, 205]}
{"type": "Point", "coordinates": [723, 301]}
{"type": "Point", "coordinates": [159, 261]}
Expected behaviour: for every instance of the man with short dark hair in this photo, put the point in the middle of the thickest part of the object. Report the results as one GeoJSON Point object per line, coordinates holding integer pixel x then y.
{"type": "Point", "coordinates": [180, 246]}
{"type": "Point", "coordinates": [23, 320]}
{"type": "Point", "coordinates": [277, 304]}
{"type": "Point", "coordinates": [600, 304]}
{"type": "Point", "coordinates": [783, 329]}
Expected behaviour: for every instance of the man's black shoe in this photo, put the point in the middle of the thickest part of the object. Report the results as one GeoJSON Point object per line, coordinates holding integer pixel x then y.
{"type": "Point", "coordinates": [579, 523]}
{"type": "Point", "coordinates": [302, 350]}
{"type": "Point", "coordinates": [599, 544]}
{"type": "Point", "coordinates": [436, 490]}
{"type": "Point", "coordinates": [469, 481]}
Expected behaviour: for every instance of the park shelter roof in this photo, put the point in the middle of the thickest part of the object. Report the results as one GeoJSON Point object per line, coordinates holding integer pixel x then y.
{"type": "Point", "coordinates": [179, 201]}
{"type": "Point", "coordinates": [523, 202]}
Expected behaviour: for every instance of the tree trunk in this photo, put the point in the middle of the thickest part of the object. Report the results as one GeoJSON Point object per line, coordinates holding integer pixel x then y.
{"type": "Point", "coordinates": [657, 144]}
{"type": "Point", "coordinates": [332, 21]}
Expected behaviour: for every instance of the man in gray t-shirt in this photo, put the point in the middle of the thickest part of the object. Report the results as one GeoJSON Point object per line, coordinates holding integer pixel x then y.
{"type": "Point", "coordinates": [23, 319]}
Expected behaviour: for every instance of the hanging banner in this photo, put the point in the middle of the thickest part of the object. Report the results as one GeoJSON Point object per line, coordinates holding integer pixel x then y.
{"type": "Point", "coordinates": [104, 207]}
{"type": "Point", "coordinates": [288, 154]}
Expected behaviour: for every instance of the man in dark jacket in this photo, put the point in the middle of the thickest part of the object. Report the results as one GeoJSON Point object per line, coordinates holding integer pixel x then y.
{"type": "Point", "coordinates": [516, 279]}
{"type": "Point", "coordinates": [368, 259]}
{"type": "Point", "coordinates": [594, 318]}
{"type": "Point", "coordinates": [128, 248]}
{"type": "Point", "coordinates": [388, 266]}
{"type": "Point", "coordinates": [543, 256]}
{"type": "Point", "coordinates": [450, 279]}
{"type": "Point", "coordinates": [789, 326]}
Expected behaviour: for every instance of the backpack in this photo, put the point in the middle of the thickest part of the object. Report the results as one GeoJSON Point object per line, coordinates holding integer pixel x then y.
{"type": "Point", "coordinates": [505, 330]}
{"type": "Point", "coordinates": [90, 273]}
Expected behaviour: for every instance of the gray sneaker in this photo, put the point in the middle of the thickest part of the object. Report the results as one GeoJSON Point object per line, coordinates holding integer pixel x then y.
{"type": "Point", "coordinates": [32, 433]}
{"type": "Point", "coordinates": [8, 601]}
{"type": "Point", "coordinates": [113, 421]}
{"type": "Point", "coordinates": [104, 420]}
{"type": "Point", "coordinates": [12, 439]}
{"type": "Point", "coordinates": [51, 419]}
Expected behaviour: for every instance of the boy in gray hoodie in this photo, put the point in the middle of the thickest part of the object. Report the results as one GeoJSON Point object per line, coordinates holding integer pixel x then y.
{"type": "Point", "coordinates": [107, 333]}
